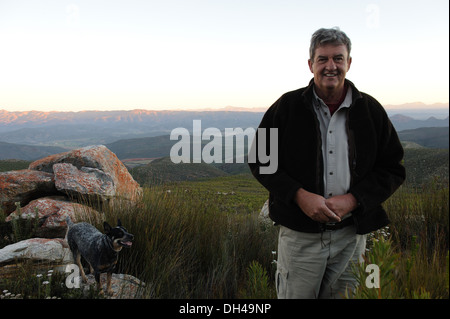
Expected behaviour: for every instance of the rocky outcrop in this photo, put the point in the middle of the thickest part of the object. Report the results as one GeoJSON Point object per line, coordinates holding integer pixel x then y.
{"type": "Point", "coordinates": [23, 186]}
{"type": "Point", "coordinates": [52, 213]}
{"type": "Point", "coordinates": [60, 186]}
{"type": "Point", "coordinates": [85, 174]}
{"type": "Point", "coordinates": [90, 174]}
{"type": "Point", "coordinates": [94, 170]}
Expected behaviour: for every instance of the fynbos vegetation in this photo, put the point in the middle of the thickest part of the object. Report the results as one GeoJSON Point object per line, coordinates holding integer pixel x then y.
{"type": "Point", "coordinates": [205, 239]}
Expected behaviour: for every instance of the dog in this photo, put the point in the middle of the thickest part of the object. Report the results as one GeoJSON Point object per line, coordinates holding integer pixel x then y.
{"type": "Point", "coordinates": [100, 250]}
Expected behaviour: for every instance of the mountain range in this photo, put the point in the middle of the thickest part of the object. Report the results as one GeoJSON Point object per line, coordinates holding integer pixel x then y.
{"type": "Point", "coordinates": [76, 129]}
{"type": "Point", "coordinates": [144, 133]}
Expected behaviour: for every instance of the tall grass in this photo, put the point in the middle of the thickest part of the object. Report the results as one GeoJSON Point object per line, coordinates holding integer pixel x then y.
{"type": "Point", "coordinates": [413, 258]}
{"type": "Point", "coordinates": [421, 213]}
{"type": "Point", "coordinates": [187, 246]}
{"type": "Point", "coordinates": [205, 240]}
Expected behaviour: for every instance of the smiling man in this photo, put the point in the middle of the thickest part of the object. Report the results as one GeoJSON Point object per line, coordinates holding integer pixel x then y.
{"type": "Point", "coordinates": [339, 159]}
{"type": "Point", "coordinates": [330, 63]}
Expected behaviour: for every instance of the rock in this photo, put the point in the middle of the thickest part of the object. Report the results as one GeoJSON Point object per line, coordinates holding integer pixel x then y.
{"type": "Point", "coordinates": [123, 286]}
{"type": "Point", "coordinates": [52, 213]}
{"type": "Point", "coordinates": [91, 161]}
{"type": "Point", "coordinates": [23, 186]}
{"type": "Point", "coordinates": [38, 250]}
{"type": "Point", "coordinates": [54, 254]}
{"type": "Point", "coordinates": [264, 214]}
{"type": "Point", "coordinates": [86, 181]}
{"type": "Point", "coordinates": [265, 210]}
{"type": "Point", "coordinates": [44, 254]}
{"type": "Point", "coordinates": [92, 172]}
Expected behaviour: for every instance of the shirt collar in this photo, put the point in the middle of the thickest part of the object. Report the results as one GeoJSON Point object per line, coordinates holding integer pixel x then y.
{"type": "Point", "coordinates": [347, 101]}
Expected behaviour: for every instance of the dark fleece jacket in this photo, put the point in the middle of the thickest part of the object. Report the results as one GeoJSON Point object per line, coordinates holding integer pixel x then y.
{"type": "Point", "coordinates": [375, 156]}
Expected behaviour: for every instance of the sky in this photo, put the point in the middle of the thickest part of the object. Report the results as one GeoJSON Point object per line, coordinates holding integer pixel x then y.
{"type": "Point", "coordinates": [58, 55]}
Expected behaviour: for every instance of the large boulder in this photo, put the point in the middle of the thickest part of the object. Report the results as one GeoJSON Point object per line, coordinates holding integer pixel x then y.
{"type": "Point", "coordinates": [94, 170]}
{"type": "Point", "coordinates": [41, 251]}
{"type": "Point", "coordinates": [85, 181]}
{"type": "Point", "coordinates": [23, 186]}
{"type": "Point", "coordinates": [52, 213]}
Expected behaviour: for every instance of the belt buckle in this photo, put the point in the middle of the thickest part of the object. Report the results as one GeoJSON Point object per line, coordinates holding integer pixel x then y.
{"type": "Point", "coordinates": [326, 225]}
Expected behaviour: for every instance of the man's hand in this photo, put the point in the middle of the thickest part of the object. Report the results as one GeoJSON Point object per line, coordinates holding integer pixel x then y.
{"type": "Point", "coordinates": [341, 205]}
{"type": "Point", "coordinates": [315, 207]}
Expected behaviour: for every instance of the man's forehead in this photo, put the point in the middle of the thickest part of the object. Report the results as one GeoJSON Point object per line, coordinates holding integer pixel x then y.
{"type": "Point", "coordinates": [331, 50]}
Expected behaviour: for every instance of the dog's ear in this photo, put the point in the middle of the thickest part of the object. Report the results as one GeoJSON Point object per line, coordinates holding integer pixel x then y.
{"type": "Point", "coordinates": [107, 227]}
{"type": "Point", "coordinates": [119, 223]}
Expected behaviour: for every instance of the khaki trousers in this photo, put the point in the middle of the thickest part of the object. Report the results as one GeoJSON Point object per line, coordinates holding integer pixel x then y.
{"type": "Point", "coordinates": [317, 265]}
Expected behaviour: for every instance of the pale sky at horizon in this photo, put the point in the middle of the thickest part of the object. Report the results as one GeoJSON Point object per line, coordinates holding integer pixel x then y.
{"type": "Point", "coordinates": [120, 55]}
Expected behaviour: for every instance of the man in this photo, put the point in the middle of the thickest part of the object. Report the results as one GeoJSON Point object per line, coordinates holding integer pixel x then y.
{"type": "Point", "coordinates": [338, 160]}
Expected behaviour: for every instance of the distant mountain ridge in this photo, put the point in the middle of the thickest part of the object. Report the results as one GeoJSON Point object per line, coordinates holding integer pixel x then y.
{"type": "Point", "coordinates": [160, 146]}
{"type": "Point", "coordinates": [403, 122]}
{"type": "Point", "coordinates": [20, 119]}
{"type": "Point", "coordinates": [78, 129]}
{"type": "Point", "coordinates": [14, 120]}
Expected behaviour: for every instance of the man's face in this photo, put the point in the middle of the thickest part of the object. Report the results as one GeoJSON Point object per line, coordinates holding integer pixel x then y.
{"type": "Point", "coordinates": [330, 65]}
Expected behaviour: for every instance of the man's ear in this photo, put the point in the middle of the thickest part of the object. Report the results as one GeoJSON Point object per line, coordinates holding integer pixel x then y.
{"type": "Point", "coordinates": [310, 64]}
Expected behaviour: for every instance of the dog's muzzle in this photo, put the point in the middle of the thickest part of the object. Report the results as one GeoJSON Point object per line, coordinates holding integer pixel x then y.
{"type": "Point", "coordinates": [127, 241]}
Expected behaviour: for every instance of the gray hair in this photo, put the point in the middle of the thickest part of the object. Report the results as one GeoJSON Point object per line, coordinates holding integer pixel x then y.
{"type": "Point", "coordinates": [328, 36]}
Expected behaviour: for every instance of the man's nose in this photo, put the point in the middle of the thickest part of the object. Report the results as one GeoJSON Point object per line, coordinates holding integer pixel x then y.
{"type": "Point", "coordinates": [330, 65]}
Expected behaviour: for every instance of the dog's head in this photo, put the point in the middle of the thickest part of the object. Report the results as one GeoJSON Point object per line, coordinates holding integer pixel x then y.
{"type": "Point", "coordinates": [119, 235]}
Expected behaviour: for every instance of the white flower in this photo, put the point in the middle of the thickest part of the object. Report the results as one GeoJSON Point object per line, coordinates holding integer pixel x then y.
{"type": "Point", "coordinates": [45, 282]}
{"type": "Point", "coordinates": [39, 275]}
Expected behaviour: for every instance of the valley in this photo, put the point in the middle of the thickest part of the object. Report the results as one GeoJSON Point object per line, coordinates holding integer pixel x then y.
{"type": "Point", "coordinates": [141, 139]}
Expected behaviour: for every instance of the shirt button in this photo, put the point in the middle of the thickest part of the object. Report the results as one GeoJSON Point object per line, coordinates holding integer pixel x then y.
{"type": "Point", "coordinates": [331, 152]}
{"type": "Point", "coordinates": [331, 132]}
{"type": "Point", "coordinates": [331, 173]}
